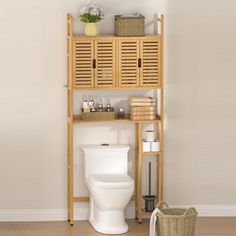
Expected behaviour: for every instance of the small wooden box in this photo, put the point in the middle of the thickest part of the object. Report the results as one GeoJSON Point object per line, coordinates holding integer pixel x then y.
{"type": "Point", "coordinates": [129, 26]}
{"type": "Point", "coordinates": [103, 115]}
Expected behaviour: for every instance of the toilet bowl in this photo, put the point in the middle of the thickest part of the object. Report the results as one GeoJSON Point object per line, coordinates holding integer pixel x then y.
{"type": "Point", "coordinates": [109, 195]}
{"type": "Point", "coordinates": [110, 187]}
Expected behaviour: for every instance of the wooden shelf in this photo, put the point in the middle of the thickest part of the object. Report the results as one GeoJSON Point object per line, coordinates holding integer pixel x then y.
{"type": "Point", "coordinates": [77, 119]}
{"type": "Point", "coordinates": [157, 120]}
{"type": "Point", "coordinates": [120, 88]}
{"type": "Point", "coordinates": [112, 36]}
{"type": "Point", "coordinates": [151, 153]}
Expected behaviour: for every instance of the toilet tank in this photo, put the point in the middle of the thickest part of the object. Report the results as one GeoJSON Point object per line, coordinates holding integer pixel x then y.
{"type": "Point", "coordinates": [112, 159]}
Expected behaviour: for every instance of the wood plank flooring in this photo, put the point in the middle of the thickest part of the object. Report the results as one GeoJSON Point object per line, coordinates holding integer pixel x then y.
{"type": "Point", "coordinates": [205, 227]}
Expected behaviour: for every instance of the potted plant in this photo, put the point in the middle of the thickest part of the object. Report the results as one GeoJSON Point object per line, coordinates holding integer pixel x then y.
{"type": "Point", "coordinates": [91, 15]}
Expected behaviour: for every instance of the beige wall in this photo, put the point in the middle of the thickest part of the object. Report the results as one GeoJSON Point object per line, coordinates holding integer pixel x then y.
{"type": "Point", "coordinates": [200, 99]}
{"type": "Point", "coordinates": [200, 102]}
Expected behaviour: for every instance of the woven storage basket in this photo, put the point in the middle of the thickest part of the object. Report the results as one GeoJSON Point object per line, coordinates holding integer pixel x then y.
{"type": "Point", "coordinates": [129, 26]}
{"type": "Point", "coordinates": [176, 221]}
{"type": "Point", "coordinates": [104, 115]}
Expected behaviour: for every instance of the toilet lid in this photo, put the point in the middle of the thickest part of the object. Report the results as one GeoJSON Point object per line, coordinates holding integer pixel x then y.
{"type": "Point", "coordinates": [111, 180]}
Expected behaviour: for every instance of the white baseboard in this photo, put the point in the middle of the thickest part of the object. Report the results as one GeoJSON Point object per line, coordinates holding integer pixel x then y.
{"type": "Point", "coordinates": [215, 210]}
{"type": "Point", "coordinates": [82, 213]}
{"type": "Point", "coordinates": [33, 215]}
{"type": "Point", "coordinates": [51, 214]}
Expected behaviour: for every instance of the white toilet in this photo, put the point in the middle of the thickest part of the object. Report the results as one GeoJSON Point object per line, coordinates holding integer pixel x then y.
{"type": "Point", "coordinates": [110, 187]}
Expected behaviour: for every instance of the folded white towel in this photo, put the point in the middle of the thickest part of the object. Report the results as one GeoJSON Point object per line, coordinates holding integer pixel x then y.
{"type": "Point", "coordinates": [153, 219]}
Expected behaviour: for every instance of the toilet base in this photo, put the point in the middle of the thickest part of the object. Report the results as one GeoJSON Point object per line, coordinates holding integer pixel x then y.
{"type": "Point", "coordinates": [108, 230]}
{"type": "Point", "coordinates": [107, 221]}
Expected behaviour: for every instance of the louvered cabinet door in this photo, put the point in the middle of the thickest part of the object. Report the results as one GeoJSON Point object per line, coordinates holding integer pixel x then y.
{"type": "Point", "coordinates": [150, 68]}
{"type": "Point", "coordinates": [105, 63]}
{"type": "Point", "coordinates": [128, 54]}
{"type": "Point", "coordinates": [83, 72]}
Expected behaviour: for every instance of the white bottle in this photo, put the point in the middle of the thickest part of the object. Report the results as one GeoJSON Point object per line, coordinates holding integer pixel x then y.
{"type": "Point", "coordinates": [91, 102]}
{"type": "Point", "coordinates": [85, 104]}
{"type": "Point", "coordinates": [100, 106]}
{"type": "Point", "coordinates": [108, 106]}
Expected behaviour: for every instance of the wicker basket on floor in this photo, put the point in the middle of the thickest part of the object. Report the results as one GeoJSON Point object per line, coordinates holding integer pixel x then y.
{"type": "Point", "coordinates": [175, 221]}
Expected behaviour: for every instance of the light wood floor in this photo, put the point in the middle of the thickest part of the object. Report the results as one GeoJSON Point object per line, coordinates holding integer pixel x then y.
{"type": "Point", "coordinates": [205, 227]}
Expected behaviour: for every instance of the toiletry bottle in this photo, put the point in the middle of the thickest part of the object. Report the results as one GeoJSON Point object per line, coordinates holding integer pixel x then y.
{"type": "Point", "coordinates": [108, 107]}
{"type": "Point", "coordinates": [93, 109]}
{"type": "Point", "coordinates": [121, 114]}
{"type": "Point", "coordinates": [85, 104]}
{"type": "Point", "coordinates": [91, 103]}
{"type": "Point", "coordinates": [100, 106]}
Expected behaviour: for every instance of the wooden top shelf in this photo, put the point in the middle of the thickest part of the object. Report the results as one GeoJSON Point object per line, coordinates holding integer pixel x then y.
{"type": "Point", "coordinates": [77, 119]}
{"type": "Point", "coordinates": [119, 88]}
{"type": "Point", "coordinates": [148, 36]}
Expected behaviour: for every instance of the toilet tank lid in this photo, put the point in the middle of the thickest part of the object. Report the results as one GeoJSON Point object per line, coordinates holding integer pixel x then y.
{"type": "Point", "coordinates": [111, 181]}
{"type": "Point", "coordinates": [113, 146]}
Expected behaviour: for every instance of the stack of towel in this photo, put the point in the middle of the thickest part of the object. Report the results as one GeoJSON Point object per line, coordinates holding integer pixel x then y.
{"type": "Point", "coordinates": [142, 108]}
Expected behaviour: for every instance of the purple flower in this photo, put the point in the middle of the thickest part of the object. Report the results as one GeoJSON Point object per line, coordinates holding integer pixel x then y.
{"type": "Point", "coordinates": [91, 13]}
{"type": "Point", "coordinates": [91, 8]}
{"type": "Point", "coordinates": [84, 10]}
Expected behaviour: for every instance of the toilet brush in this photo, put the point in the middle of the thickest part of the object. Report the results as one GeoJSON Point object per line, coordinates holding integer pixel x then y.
{"type": "Point", "coordinates": [149, 199]}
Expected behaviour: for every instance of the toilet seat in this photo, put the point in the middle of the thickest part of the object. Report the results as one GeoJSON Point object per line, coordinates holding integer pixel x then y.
{"type": "Point", "coordinates": [111, 181]}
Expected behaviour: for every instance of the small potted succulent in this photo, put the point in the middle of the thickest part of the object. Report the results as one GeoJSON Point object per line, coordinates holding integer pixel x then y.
{"type": "Point", "coordinates": [91, 15]}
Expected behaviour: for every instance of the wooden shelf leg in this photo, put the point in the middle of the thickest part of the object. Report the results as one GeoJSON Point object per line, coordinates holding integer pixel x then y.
{"type": "Point", "coordinates": [158, 165]}
{"type": "Point", "coordinates": [70, 161]}
{"type": "Point", "coordinates": [70, 201]}
{"type": "Point", "coordinates": [136, 170]}
{"type": "Point", "coordinates": [161, 124]}
{"type": "Point", "coordinates": [70, 173]}
{"type": "Point", "coordinates": [140, 167]}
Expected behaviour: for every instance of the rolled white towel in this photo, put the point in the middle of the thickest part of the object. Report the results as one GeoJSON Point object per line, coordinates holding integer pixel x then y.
{"type": "Point", "coordinates": [153, 219]}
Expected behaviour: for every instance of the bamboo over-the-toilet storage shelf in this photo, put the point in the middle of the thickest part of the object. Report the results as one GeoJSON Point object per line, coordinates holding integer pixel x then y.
{"type": "Point", "coordinates": [107, 62]}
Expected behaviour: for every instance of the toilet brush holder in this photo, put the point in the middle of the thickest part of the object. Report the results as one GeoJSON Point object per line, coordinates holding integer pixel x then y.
{"type": "Point", "coordinates": [149, 199]}
{"type": "Point", "coordinates": [149, 202]}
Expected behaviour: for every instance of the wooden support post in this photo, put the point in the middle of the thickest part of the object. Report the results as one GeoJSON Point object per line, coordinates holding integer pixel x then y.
{"type": "Point", "coordinates": [161, 125]}
{"type": "Point", "coordinates": [140, 166]}
{"type": "Point", "coordinates": [158, 166]}
{"type": "Point", "coordinates": [136, 169]}
{"type": "Point", "coordinates": [70, 123]}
